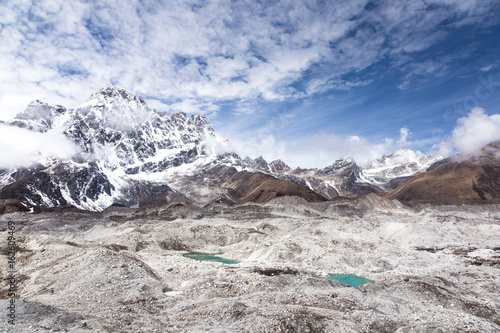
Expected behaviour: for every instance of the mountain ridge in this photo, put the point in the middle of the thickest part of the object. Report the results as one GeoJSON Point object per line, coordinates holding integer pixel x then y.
{"type": "Point", "coordinates": [131, 155]}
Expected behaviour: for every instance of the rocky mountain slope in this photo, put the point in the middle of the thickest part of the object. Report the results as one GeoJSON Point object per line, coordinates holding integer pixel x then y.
{"type": "Point", "coordinates": [458, 179]}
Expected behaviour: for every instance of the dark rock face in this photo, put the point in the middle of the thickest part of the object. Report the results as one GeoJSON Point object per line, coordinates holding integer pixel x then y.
{"type": "Point", "coordinates": [340, 178]}
{"type": "Point", "coordinates": [439, 164]}
{"type": "Point", "coordinates": [487, 185]}
{"type": "Point", "coordinates": [150, 194]}
{"type": "Point", "coordinates": [88, 188]}
{"type": "Point", "coordinates": [11, 206]}
{"type": "Point", "coordinates": [262, 164]}
{"type": "Point", "coordinates": [63, 186]}
{"type": "Point", "coordinates": [365, 188]}
{"type": "Point", "coordinates": [279, 166]}
{"type": "Point", "coordinates": [183, 157]}
{"type": "Point", "coordinates": [322, 187]}
{"type": "Point", "coordinates": [346, 167]}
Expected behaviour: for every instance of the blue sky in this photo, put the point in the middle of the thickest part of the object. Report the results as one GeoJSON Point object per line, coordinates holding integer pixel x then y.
{"type": "Point", "coordinates": [304, 81]}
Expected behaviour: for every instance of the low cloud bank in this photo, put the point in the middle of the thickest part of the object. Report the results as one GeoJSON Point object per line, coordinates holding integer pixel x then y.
{"type": "Point", "coordinates": [22, 148]}
{"type": "Point", "coordinates": [471, 133]}
{"type": "Point", "coordinates": [313, 151]}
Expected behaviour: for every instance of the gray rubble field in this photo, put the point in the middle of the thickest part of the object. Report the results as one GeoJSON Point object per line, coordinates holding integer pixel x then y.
{"type": "Point", "coordinates": [436, 269]}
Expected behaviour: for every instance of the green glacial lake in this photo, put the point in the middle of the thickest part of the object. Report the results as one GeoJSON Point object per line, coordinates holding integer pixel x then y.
{"type": "Point", "coordinates": [349, 279]}
{"type": "Point", "coordinates": [202, 256]}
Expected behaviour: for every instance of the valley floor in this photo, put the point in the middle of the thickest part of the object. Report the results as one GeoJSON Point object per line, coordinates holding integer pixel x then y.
{"type": "Point", "coordinates": [435, 270]}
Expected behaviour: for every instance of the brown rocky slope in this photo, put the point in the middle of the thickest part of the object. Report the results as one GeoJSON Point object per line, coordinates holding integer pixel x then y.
{"type": "Point", "coordinates": [258, 187]}
{"type": "Point", "coordinates": [476, 178]}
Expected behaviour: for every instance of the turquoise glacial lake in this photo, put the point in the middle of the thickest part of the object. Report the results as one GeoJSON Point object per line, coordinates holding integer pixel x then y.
{"type": "Point", "coordinates": [349, 279]}
{"type": "Point", "coordinates": [202, 256]}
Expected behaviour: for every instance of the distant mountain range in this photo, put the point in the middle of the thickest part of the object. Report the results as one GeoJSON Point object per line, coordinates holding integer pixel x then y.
{"type": "Point", "coordinates": [127, 154]}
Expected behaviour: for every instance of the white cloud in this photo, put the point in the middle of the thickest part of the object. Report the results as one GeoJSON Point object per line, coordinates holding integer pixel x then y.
{"type": "Point", "coordinates": [486, 68]}
{"type": "Point", "coordinates": [404, 85]}
{"type": "Point", "coordinates": [22, 148]}
{"type": "Point", "coordinates": [326, 83]}
{"type": "Point", "coordinates": [422, 71]}
{"type": "Point", "coordinates": [404, 133]}
{"type": "Point", "coordinates": [246, 107]}
{"type": "Point", "coordinates": [193, 106]}
{"type": "Point", "coordinates": [471, 133]}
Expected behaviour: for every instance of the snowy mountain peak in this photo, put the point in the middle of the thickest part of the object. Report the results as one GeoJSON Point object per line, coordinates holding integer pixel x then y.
{"type": "Point", "coordinates": [200, 124]}
{"type": "Point", "coordinates": [405, 152]}
{"type": "Point", "coordinates": [279, 166]}
{"type": "Point", "coordinates": [36, 110]}
{"type": "Point", "coordinates": [402, 156]}
{"type": "Point", "coordinates": [39, 102]}
{"type": "Point", "coordinates": [123, 152]}
{"type": "Point", "coordinates": [121, 147]}
{"type": "Point", "coordinates": [344, 162]}
{"type": "Point", "coordinates": [115, 108]}
{"type": "Point", "coordinates": [276, 167]}
{"type": "Point", "coordinates": [402, 163]}
{"type": "Point", "coordinates": [115, 93]}
{"type": "Point", "coordinates": [261, 163]}
{"type": "Point", "coordinates": [198, 121]}
{"type": "Point", "coordinates": [39, 116]}
{"type": "Point", "coordinates": [179, 118]}
{"type": "Point", "coordinates": [117, 127]}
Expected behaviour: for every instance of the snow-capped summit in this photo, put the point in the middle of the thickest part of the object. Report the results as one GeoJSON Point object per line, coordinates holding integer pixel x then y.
{"type": "Point", "coordinates": [120, 143]}
{"type": "Point", "coordinates": [120, 123]}
{"type": "Point", "coordinates": [347, 162]}
{"type": "Point", "coordinates": [402, 163]}
{"type": "Point", "coordinates": [39, 116]}
{"type": "Point", "coordinates": [116, 108]}
{"type": "Point", "coordinates": [279, 166]}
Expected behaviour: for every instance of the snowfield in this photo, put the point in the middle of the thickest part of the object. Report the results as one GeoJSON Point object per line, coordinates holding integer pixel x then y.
{"type": "Point", "coordinates": [436, 269]}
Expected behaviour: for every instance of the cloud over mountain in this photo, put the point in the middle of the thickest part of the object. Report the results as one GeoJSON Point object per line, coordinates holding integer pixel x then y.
{"type": "Point", "coordinates": [472, 132]}
{"type": "Point", "coordinates": [21, 147]}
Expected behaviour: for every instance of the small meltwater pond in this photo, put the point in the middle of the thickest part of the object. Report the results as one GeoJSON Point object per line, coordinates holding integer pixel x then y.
{"type": "Point", "coordinates": [202, 256]}
{"type": "Point", "coordinates": [349, 279]}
